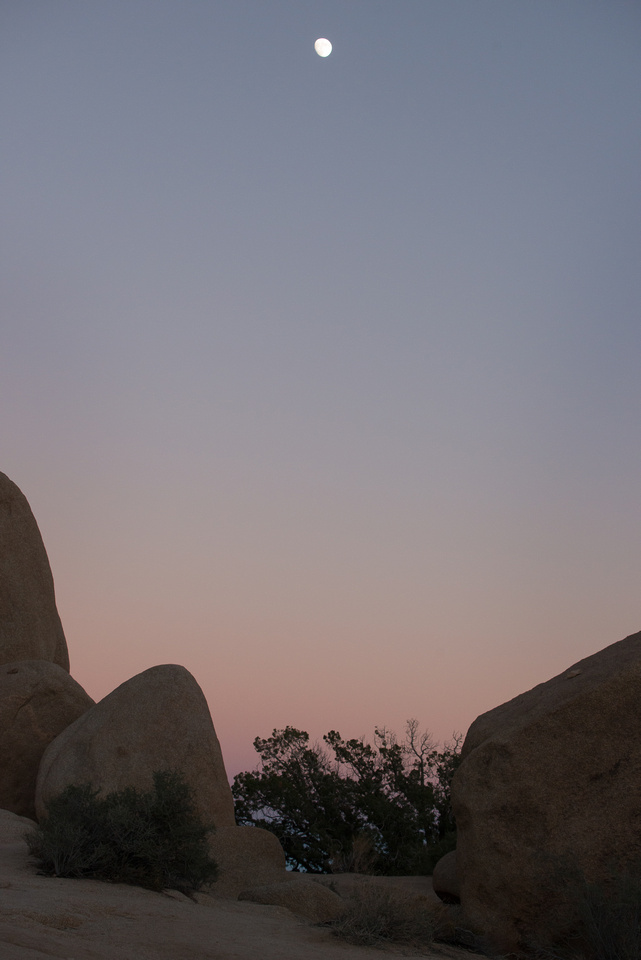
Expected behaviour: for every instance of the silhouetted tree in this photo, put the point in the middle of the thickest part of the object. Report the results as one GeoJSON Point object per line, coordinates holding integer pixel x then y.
{"type": "Point", "coordinates": [369, 808]}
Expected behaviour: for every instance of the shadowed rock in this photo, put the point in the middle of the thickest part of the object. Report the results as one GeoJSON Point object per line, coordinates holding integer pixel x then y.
{"type": "Point", "coordinates": [246, 857]}
{"type": "Point", "coordinates": [550, 782]}
{"type": "Point", "coordinates": [30, 627]}
{"type": "Point", "coordinates": [38, 700]}
{"type": "Point", "coordinates": [445, 879]}
{"type": "Point", "coordinates": [302, 895]}
{"type": "Point", "coordinates": [13, 827]}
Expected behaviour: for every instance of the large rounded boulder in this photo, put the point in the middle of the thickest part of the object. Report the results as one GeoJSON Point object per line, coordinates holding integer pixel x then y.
{"type": "Point", "coordinates": [158, 720]}
{"type": "Point", "coordinates": [38, 700]}
{"type": "Point", "coordinates": [30, 628]}
{"type": "Point", "coordinates": [549, 791]}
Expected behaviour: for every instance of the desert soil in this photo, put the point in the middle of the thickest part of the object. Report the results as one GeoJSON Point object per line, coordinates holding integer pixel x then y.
{"type": "Point", "coordinates": [43, 917]}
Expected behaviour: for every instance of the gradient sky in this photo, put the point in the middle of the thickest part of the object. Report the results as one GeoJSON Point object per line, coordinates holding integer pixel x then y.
{"type": "Point", "coordinates": [323, 376]}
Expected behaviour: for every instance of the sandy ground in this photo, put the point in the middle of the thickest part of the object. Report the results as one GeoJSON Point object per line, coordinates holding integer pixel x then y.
{"type": "Point", "coordinates": [43, 917]}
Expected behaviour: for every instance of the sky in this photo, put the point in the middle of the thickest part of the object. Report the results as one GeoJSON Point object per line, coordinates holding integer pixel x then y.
{"type": "Point", "coordinates": [321, 375]}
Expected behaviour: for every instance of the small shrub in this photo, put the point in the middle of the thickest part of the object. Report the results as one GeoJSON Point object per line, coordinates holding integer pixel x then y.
{"type": "Point", "coordinates": [152, 840]}
{"type": "Point", "coordinates": [376, 916]}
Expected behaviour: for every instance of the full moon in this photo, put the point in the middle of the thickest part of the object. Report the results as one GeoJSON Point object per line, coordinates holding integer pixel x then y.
{"type": "Point", "coordinates": [323, 47]}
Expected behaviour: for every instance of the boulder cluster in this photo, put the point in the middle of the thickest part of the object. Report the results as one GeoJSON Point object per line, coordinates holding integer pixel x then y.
{"type": "Point", "coordinates": [52, 734]}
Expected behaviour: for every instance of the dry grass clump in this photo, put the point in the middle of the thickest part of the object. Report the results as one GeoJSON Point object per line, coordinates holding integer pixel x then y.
{"type": "Point", "coordinates": [361, 858]}
{"type": "Point", "coordinates": [376, 916]}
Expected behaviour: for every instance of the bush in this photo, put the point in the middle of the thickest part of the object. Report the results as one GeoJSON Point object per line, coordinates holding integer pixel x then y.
{"type": "Point", "coordinates": [152, 840]}
{"type": "Point", "coordinates": [376, 916]}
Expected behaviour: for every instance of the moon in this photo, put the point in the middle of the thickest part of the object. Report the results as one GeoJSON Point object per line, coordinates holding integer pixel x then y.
{"type": "Point", "coordinates": [323, 47]}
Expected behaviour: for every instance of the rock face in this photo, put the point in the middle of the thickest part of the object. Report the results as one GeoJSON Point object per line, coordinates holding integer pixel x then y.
{"type": "Point", "coordinates": [246, 857]}
{"type": "Point", "coordinates": [13, 827]}
{"type": "Point", "coordinates": [38, 700]}
{"type": "Point", "coordinates": [445, 879]}
{"type": "Point", "coordinates": [300, 894]}
{"type": "Point", "coordinates": [30, 627]}
{"type": "Point", "coordinates": [157, 720]}
{"type": "Point", "coordinates": [550, 781]}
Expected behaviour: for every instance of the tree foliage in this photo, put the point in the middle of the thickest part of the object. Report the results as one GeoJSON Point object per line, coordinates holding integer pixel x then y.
{"type": "Point", "coordinates": [349, 805]}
